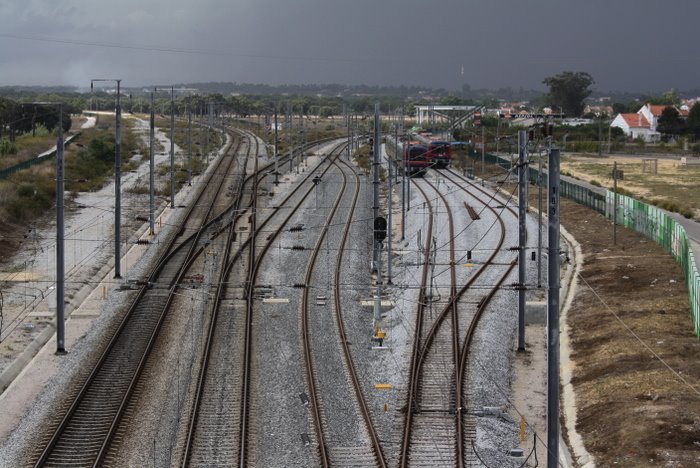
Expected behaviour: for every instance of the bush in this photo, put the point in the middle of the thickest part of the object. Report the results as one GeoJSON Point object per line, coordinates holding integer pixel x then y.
{"type": "Point", "coordinates": [31, 201]}
{"type": "Point", "coordinates": [7, 147]}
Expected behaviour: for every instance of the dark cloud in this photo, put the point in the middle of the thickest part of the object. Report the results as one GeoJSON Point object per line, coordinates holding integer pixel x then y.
{"type": "Point", "coordinates": [636, 45]}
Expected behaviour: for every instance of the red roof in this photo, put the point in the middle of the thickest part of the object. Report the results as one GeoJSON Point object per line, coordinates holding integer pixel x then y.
{"type": "Point", "coordinates": [636, 120]}
{"type": "Point", "coordinates": [657, 110]}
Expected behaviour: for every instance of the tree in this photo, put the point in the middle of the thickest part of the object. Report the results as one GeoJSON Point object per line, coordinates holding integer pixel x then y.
{"type": "Point", "coordinates": [567, 90]}
{"type": "Point", "coordinates": [669, 98]}
{"type": "Point", "coordinates": [670, 122]}
{"type": "Point", "coordinates": [693, 122]}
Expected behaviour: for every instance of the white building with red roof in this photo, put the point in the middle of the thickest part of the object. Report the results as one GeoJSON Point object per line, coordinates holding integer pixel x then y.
{"type": "Point", "coordinates": [636, 126]}
{"type": "Point", "coordinates": [644, 123]}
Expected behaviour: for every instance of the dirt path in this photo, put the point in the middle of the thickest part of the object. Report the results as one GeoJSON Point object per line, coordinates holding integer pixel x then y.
{"type": "Point", "coordinates": [637, 405]}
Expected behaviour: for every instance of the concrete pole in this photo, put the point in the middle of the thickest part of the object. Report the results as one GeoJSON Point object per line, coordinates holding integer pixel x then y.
{"type": "Point", "coordinates": [522, 234]}
{"type": "Point", "coordinates": [60, 261]}
{"type": "Point", "coordinates": [172, 147]}
{"type": "Point", "coordinates": [118, 185]}
{"type": "Point", "coordinates": [152, 169]}
{"type": "Point", "coordinates": [553, 313]}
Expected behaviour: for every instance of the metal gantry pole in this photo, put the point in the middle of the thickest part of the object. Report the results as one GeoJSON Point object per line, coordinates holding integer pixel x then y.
{"type": "Point", "coordinates": [60, 260]}
{"type": "Point", "coordinates": [553, 313]}
{"type": "Point", "coordinates": [522, 234]}
{"type": "Point", "coordinates": [172, 147]}
{"type": "Point", "coordinates": [152, 169]}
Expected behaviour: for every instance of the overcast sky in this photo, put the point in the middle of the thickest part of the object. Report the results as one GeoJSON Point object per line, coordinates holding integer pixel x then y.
{"type": "Point", "coordinates": [634, 45]}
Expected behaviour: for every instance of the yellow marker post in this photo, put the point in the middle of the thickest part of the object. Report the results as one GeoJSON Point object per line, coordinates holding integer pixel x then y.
{"type": "Point", "coordinates": [469, 265]}
{"type": "Point", "coordinates": [523, 426]}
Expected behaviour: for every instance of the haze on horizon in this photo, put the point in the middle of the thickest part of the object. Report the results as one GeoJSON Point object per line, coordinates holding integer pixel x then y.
{"type": "Point", "coordinates": [626, 45]}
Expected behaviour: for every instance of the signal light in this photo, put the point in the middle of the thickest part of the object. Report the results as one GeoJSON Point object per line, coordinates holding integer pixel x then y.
{"type": "Point", "coordinates": [469, 254]}
{"type": "Point", "coordinates": [531, 135]}
{"type": "Point", "coordinates": [143, 241]}
{"type": "Point", "coordinates": [299, 285]}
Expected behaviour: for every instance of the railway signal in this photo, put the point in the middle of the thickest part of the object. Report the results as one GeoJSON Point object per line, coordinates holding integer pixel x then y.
{"type": "Point", "coordinates": [379, 229]}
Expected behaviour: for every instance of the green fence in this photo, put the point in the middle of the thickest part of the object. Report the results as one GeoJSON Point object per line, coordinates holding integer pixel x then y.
{"type": "Point", "coordinates": [633, 214]}
{"type": "Point", "coordinates": [658, 226]}
{"type": "Point", "coordinates": [5, 173]}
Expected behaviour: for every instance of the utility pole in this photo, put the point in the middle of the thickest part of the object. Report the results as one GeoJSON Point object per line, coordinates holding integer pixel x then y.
{"type": "Point", "coordinates": [277, 172]}
{"type": "Point", "coordinates": [210, 122]}
{"type": "Point", "coordinates": [375, 183]}
{"type": "Point", "coordinates": [60, 260]}
{"type": "Point", "coordinates": [172, 147]}
{"type": "Point", "coordinates": [390, 209]}
{"type": "Point", "coordinates": [189, 146]}
{"type": "Point", "coordinates": [522, 233]}
{"type": "Point", "coordinates": [615, 203]}
{"type": "Point", "coordinates": [553, 314]}
{"type": "Point", "coordinates": [539, 216]}
{"type": "Point", "coordinates": [346, 111]}
{"type": "Point", "coordinates": [288, 122]}
{"type": "Point", "coordinates": [483, 155]}
{"type": "Point", "coordinates": [152, 169]}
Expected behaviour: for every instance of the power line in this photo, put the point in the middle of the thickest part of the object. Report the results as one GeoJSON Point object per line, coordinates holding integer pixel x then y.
{"type": "Point", "coordinates": [177, 50]}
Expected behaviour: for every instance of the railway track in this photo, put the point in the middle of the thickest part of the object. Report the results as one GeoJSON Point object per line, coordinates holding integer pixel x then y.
{"type": "Point", "coordinates": [441, 428]}
{"type": "Point", "coordinates": [465, 417]}
{"type": "Point", "coordinates": [219, 424]}
{"type": "Point", "coordinates": [337, 444]}
{"type": "Point", "coordinates": [83, 435]}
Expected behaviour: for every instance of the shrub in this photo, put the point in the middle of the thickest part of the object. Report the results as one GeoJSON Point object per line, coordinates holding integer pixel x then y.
{"type": "Point", "coordinates": [7, 147]}
{"type": "Point", "coordinates": [29, 203]}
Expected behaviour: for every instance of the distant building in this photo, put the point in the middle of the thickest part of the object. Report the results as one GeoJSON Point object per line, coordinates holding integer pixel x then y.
{"type": "Point", "coordinates": [598, 110]}
{"type": "Point", "coordinates": [636, 126]}
{"type": "Point", "coordinates": [644, 123]}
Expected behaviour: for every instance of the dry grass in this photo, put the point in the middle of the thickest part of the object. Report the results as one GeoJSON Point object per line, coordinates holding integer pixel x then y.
{"type": "Point", "coordinates": [673, 183]}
